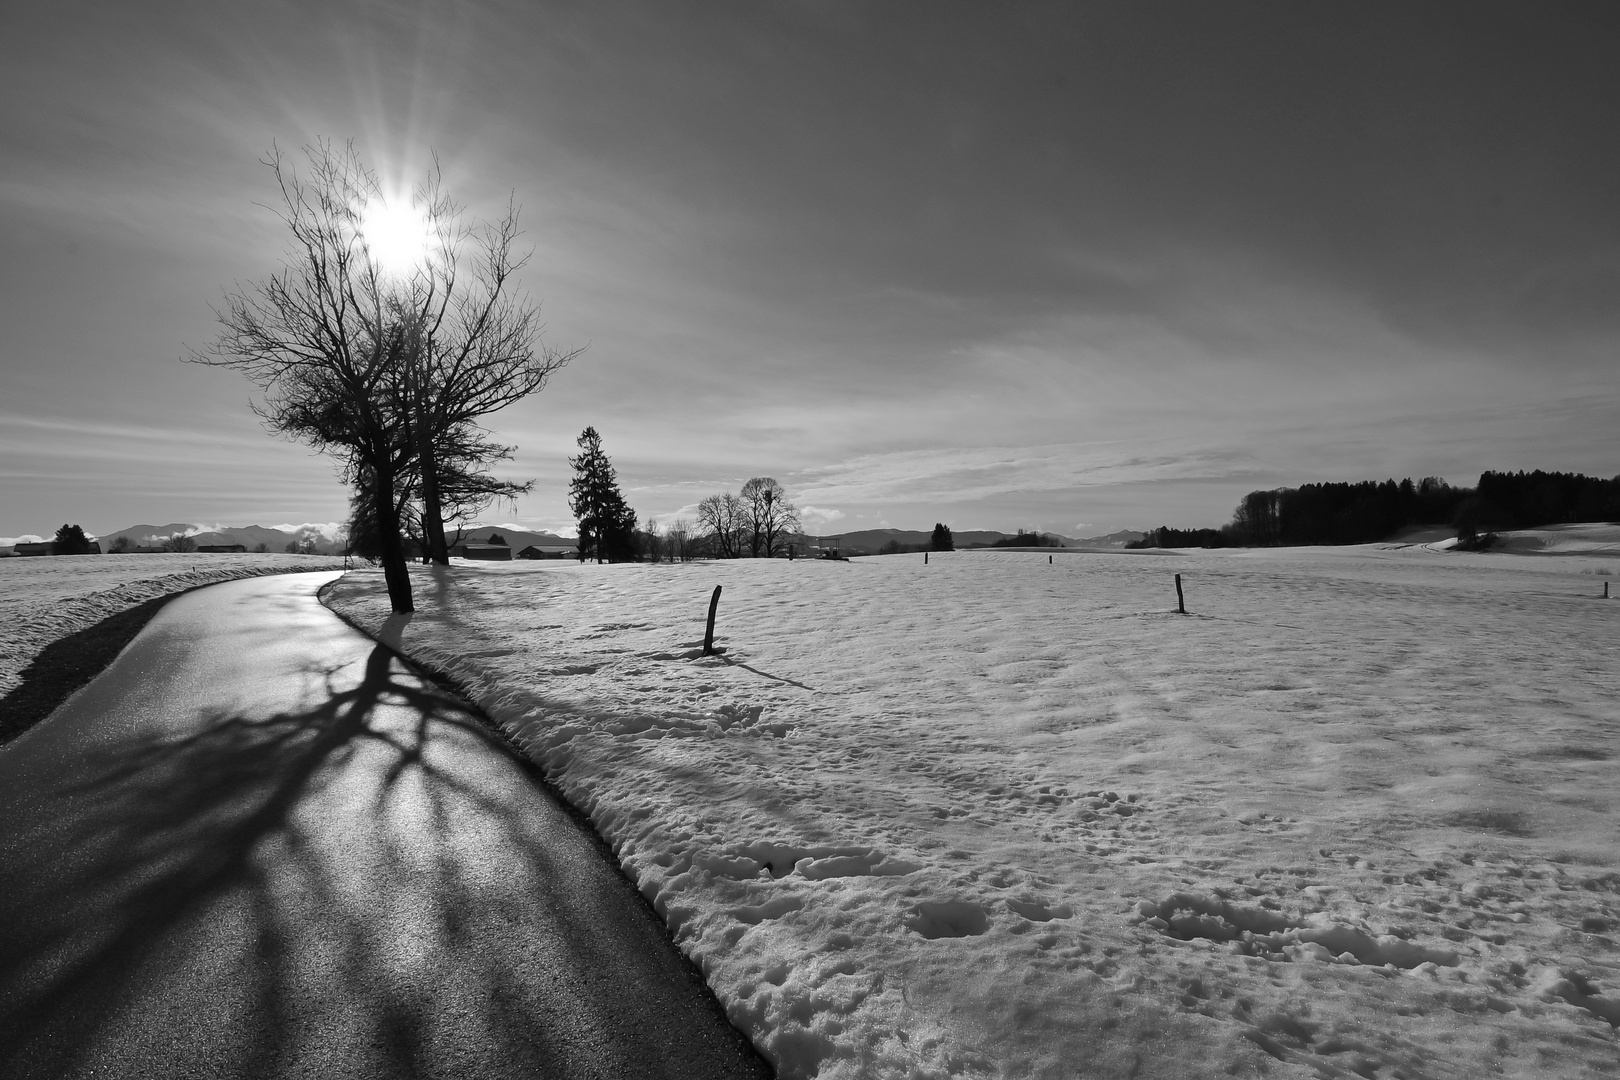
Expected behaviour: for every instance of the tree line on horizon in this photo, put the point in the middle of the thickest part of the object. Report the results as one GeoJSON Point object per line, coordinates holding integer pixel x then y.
{"type": "Point", "coordinates": [1370, 511]}
{"type": "Point", "coordinates": [73, 540]}
{"type": "Point", "coordinates": [757, 522]}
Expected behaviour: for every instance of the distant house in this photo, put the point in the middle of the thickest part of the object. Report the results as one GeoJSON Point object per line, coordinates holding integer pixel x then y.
{"type": "Point", "coordinates": [48, 547]}
{"type": "Point", "coordinates": [485, 552]}
{"type": "Point", "coordinates": [236, 549]}
{"type": "Point", "coordinates": [548, 552]}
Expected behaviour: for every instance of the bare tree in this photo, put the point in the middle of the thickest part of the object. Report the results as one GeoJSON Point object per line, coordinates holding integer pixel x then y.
{"type": "Point", "coordinates": [323, 341]}
{"type": "Point", "coordinates": [473, 344]}
{"type": "Point", "coordinates": [178, 542]}
{"type": "Point", "coordinates": [653, 543]}
{"type": "Point", "coordinates": [771, 517]}
{"type": "Point", "coordinates": [724, 520]}
{"type": "Point", "coordinates": [388, 369]}
{"type": "Point", "coordinates": [679, 541]}
{"type": "Point", "coordinates": [465, 487]}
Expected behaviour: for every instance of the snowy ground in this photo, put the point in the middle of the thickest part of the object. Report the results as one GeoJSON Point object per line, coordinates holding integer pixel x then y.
{"type": "Point", "coordinates": [45, 599]}
{"type": "Point", "coordinates": [1353, 815]}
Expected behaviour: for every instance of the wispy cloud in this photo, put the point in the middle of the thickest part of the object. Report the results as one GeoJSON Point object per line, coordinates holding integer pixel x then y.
{"type": "Point", "coordinates": [1025, 292]}
{"type": "Point", "coordinates": [967, 474]}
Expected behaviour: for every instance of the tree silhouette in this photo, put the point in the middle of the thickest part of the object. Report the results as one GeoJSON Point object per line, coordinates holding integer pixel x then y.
{"type": "Point", "coordinates": [326, 341]}
{"type": "Point", "coordinates": [771, 518]}
{"type": "Point", "coordinates": [724, 521]}
{"type": "Point", "coordinates": [389, 368]}
{"type": "Point", "coordinates": [70, 540]}
{"type": "Point", "coordinates": [942, 539]}
{"type": "Point", "coordinates": [607, 525]}
{"type": "Point", "coordinates": [472, 349]}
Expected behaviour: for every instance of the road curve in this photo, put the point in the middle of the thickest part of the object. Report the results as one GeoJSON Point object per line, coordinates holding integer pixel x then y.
{"type": "Point", "coordinates": [259, 845]}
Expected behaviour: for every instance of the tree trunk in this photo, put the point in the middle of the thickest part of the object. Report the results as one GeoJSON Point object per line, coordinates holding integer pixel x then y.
{"type": "Point", "coordinates": [395, 571]}
{"type": "Point", "coordinates": [432, 509]}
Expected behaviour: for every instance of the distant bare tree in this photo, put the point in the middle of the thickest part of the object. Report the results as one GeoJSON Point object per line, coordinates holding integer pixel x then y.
{"type": "Point", "coordinates": [652, 542]}
{"type": "Point", "coordinates": [178, 542]}
{"type": "Point", "coordinates": [1257, 521]}
{"type": "Point", "coordinates": [679, 541]}
{"type": "Point", "coordinates": [771, 517]}
{"type": "Point", "coordinates": [724, 521]}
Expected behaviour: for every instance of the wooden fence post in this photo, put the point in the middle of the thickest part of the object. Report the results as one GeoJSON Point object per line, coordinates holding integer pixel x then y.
{"type": "Point", "coordinates": [1181, 602]}
{"type": "Point", "coordinates": [708, 634]}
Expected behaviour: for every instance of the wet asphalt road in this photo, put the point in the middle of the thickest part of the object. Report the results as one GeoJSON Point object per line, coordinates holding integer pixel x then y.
{"type": "Point", "coordinates": [259, 846]}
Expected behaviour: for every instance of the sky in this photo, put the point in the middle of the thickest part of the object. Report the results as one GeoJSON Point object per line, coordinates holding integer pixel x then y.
{"type": "Point", "coordinates": [1074, 267]}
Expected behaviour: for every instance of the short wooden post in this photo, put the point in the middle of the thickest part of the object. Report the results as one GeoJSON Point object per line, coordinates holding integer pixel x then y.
{"type": "Point", "coordinates": [1181, 601]}
{"type": "Point", "coordinates": [1605, 590]}
{"type": "Point", "coordinates": [708, 633]}
{"type": "Point", "coordinates": [1049, 560]}
{"type": "Point", "coordinates": [1605, 584]}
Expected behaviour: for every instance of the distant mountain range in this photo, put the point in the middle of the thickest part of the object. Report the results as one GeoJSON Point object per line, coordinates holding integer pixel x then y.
{"type": "Point", "coordinates": [328, 541]}
{"type": "Point", "coordinates": [326, 538]}
{"type": "Point", "coordinates": [872, 541]}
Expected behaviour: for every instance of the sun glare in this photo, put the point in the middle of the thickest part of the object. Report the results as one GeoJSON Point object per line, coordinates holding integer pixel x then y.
{"type": "Point", "coordinates": [396, 234]}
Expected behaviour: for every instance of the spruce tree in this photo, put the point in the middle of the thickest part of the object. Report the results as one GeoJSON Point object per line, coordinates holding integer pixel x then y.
{"type": "Point", "coordinates": [70, 540]}
{"type": "Point", "coordinates": [607, 525]}
{"type": "Point", "coordinates": [942, 539]}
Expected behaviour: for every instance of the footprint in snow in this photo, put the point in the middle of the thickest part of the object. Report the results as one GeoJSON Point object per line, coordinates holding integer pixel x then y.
{"type": "Point", "coordinates": [947, 919]}
{"type": "Point", "coordinates": [1036, 912]}
{"type": "Point", "coordinates": [812, 863]}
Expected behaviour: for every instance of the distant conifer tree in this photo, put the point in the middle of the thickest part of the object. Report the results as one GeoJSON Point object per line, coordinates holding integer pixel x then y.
{"type": "Point", "coordinates": [942, 539]}
{"type": "Point", "coordinates": [607, 525]}
{"type": "Point", "coordinates": [70, 540]}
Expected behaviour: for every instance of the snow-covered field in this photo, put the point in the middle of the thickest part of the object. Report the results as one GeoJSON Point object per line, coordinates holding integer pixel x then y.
{"type": "Point", "coordinates": [45, 599]}
{"type": "Point", "coordinates": [1354, 815]}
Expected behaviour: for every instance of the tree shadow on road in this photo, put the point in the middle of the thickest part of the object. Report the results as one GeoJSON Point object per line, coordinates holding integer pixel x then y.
{"type": "Point", "coordinates": [339, 883]}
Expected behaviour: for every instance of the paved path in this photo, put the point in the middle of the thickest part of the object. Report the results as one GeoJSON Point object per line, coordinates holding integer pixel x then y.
{"type": "Point", "coordinates": [259, 846]}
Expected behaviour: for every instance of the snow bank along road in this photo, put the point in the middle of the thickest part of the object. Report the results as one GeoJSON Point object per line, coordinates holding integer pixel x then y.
{"type": "Point", "coordinates": [994, 817]}
{"type": "Point", "coordinates": [63, 619]}
{"type": "Point", "coordinates": [258, 845]}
